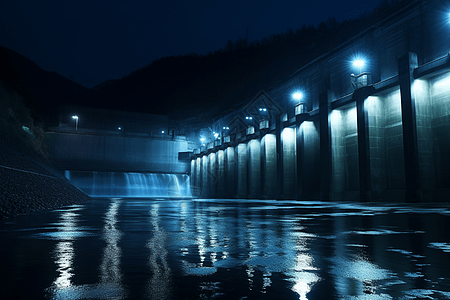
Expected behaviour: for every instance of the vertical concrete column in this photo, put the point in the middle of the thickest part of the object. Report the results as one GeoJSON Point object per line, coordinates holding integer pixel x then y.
{"type": "Point", "coordinates": [192, 176]}
{"type": "Point", "coordinates": [198, 177]}
{"type": "Point", "coordinates": [325, 144]}
{"type": "Point", "coordinates": [230, 171]}
{"type": "Point", "coordinates": [205, 177]}
{"type": "Point", "coordinates": [254, 168]}
{"type": "Point", "coordinates": [289, 162]}
{"type": "Point", "coordinates": [220, 174]}
{"type": "Point", "coordinates": [269, 166]}
{"type": "Point", "coordinates": [212, 174]}
{"type": "Point", "coordinates": [279, 148]}
{"type": "Point", "coordinates": [308, 160]}
{"type": "Point", "coordinates": [241, 150]}
{"type": "Point", "coordinates": [362, 119]}
{"type": "Point", "coordinates": [406, 66]}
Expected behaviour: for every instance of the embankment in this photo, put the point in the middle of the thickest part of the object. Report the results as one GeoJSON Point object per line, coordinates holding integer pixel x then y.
{"type": "Point", "coordinates": [28, 185]}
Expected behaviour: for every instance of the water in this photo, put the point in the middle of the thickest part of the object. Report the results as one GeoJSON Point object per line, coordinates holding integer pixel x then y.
{"type": "Point", "coordinates": [120, 184]}
{"type": "Point", "coordinates": [227, 249]}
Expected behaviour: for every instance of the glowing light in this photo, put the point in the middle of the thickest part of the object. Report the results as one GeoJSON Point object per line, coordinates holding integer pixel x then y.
{"type": "Point", "coordinates": [76, 122]}
{"type": "Point", "coordinates": [297, 95]}
{"type": "Point", "coordinates": [202, 139]}
{"type": "Point", "coordinates": [216, 135]}
{"type": "Point", "coordinates": [226, 128]}
{"type": "Point", "coordinates": [359, 63]}
{"type": "Point", "coordinates": [263, 109]}
{"type": "Point", "coordinates": [162, 131]}
{"type": "Point", "coordinates": [120, 128]}
{"type": "Point", "coordinates": [248, 118]}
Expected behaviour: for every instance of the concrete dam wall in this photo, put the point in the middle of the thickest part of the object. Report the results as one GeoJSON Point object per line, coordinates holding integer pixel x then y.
{"type": "Point", "coordinates": [88, 152]}
{"type": "Point", "coordinates": [105, 165]}
{"type": "Point", "coordinates": [378, 130]}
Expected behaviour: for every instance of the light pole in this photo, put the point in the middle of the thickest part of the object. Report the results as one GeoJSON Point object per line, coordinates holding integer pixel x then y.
{"type": "Point", "coordinates": [76, 122]}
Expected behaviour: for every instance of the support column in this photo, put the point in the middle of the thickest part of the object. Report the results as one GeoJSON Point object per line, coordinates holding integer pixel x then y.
{"type": "Point", "coordinates": [406, 66]}
{"type": "Point", "coordinates": [325, 145]}
{"type": "Point", "coordinates": [241, 170]}
{"type": "Point", "coordinates": [192, 176]}
{"type": "Point", "coordinates": [279, 150]}
{"type": "Point", "coordinates": [289, 163]}
{"type": "Point", "coordinates": [254, 168]}
{"type": "Point", "coordinates": [365, 181]}
{"type": "Point", "coordinates": [269, 166]}
{"type": "Point", "coordinates": [212, 174]}
{"type": "Point", "coordinates": [198, 179]}
{"type": "Point", "coordinates": [230, 170]}
{"type": "Point", "coordinates": [205, 177]}
{"type": "Point", "coordinates": [220, 174]}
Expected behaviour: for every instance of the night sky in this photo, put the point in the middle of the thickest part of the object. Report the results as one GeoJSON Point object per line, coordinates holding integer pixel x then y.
{"type": "Point", "coordinates": [91, 41]}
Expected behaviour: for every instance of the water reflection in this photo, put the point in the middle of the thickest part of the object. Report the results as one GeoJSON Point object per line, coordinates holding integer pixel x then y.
{"type": "Point", "coordinates": [64, 251]}
{"type": "Point", "coordinates": [159, 286]}
{"type": "Point", "coordinates": [110, 275]}
{"type": "Point", "coordinates": [205, 249]}
{"type": "Point", "coordinates": [110, 265]}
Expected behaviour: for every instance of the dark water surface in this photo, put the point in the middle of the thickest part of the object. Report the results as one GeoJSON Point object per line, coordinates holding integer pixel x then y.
{"type": "Point", "coordinates": [227, 249]}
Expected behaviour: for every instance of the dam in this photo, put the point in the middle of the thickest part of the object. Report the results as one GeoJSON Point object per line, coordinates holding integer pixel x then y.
{"type": "Point", "coordinates": [367, 121]}
{"type": "Point", "coordinates": [127, 155]}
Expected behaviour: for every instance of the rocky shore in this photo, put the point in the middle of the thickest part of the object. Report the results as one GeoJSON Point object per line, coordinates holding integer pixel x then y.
{"type": "Point", "coordinates": [28, 185]}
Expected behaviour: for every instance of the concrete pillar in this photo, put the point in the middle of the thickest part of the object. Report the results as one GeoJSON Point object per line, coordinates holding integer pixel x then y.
{"type": "Point", "coordinates": [192, 176]}
{"type": "Point", "coordinates": [365, 181]}
{"type": "Point", "coordinates": [344, 158]}
{"type": "Point", "coordinates": [425, 137]}
{"type": "Point", "coordinates": [308, 160]}
{"type": "Point", "coordinates": [220, 174]}
{"type": "Point", "coordinates": [205, 177]}
{"type": "Point", "coordinates": [375, 107]}
{"type": "Point", "coordinates": [279, 148]}
{"type": "Point", "coordinates": [254, 168]}
{"type": "Point", "coordinates": [198, 177]}
{"type": "Point", "coordinates": [241, 153]}
{"type": "Point", "coordinates": [406, 66]}
{"type": "Point", "coordinates": [325, 144]}
{"type": "Point", "coordinates": [212, 174]}
{"type": "Point", "coordinates": [289, 163]}
{"type": "Point", "coordinates": [230, 173]}
{"type": "Point", "coordinates": [269, 166]}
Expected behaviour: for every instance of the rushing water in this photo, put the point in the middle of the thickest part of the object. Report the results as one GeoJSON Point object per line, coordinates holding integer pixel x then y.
{"type": "Point", "coordinates": [227, 249]}
{"type": "Point", "coordinates": [121, 184]}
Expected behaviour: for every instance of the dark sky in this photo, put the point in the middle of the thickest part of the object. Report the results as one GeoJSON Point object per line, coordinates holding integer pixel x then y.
{"type": "Point", "coordinates": [91, 41]}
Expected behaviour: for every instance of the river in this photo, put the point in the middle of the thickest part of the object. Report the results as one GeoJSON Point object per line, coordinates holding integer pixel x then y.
{"type": "Point", "coordinates": [113, 248]}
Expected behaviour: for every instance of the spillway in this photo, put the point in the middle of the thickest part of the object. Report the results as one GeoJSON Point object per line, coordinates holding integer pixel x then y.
{"type": "Point", "coordinates": [134, 185]}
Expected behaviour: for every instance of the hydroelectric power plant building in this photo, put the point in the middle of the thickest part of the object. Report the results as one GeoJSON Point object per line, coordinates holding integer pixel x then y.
{"type": "Point", "coordinates": [374, 130]}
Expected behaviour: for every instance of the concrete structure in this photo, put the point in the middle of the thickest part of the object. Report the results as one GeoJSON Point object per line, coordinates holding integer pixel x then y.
{"type": "Point", "coordinates": [380, 135]}
{"type": "Point", "coordinates": [141, 144]}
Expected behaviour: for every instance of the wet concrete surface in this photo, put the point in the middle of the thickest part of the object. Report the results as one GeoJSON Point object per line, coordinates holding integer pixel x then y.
{"type": "Point", "coordinates": [227, 249]}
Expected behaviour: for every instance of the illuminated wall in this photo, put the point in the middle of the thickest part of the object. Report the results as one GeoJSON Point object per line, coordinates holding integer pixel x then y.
{"type": "Point", "coordinates": [85, 152]}
{"type": "Point", "coordinates": [344, 156]}
{"type": "Point", "coordinates": [440, 100]}
{"type": "Point", "coordinates": [241, 170]}
{"type": "Point", "coordinates": [269, 166]}
{"type": "Point", "coordinates": [230, 172]}
{"type": "Point", "coordinates": [289, 162]}
{"type": "Point", "coordinates": [254, 168]}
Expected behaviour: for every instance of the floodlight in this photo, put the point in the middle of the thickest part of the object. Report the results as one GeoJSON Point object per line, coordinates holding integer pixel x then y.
{"type": "Point", "coordinates": [297, 95]}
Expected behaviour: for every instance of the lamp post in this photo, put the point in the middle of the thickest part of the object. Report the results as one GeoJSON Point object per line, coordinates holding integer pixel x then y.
{"type": "Point", "coordinates": [76, 122]}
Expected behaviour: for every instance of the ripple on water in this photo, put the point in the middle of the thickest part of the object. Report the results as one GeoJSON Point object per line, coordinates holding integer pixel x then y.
{"type": "Point", "coordinates": [440, 246]}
